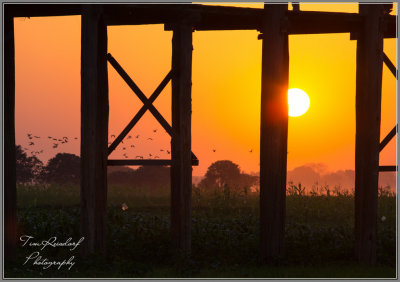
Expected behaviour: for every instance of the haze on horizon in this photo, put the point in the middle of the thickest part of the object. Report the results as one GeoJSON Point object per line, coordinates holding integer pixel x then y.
{"type": "Point", "coordinates": [225, 94]}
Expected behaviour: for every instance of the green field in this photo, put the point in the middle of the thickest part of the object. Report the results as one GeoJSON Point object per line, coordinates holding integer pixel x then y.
{"type": "Point", "coordinates": [225, 235]}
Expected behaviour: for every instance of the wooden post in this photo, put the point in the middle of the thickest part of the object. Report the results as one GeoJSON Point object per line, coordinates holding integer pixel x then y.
{"type": "Point", "coordinates": [274, 128]}
{"type": "Point", "coordinates": [94, 129]}
{"type": "Point", "coordinates": [181, 167]}
{"type": "Point", "coordinates": [368, 117]}
{"type": "Point", "coordinates": [10, 190]}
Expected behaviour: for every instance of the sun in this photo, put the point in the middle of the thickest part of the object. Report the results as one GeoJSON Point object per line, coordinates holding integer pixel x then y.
{"type": "Point", "coordinates": [298, 102]}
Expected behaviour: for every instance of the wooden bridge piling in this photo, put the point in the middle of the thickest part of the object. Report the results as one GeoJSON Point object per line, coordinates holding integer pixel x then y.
{"type": "Point", "coordinates": [368, 118]}
{"type": "Point", "coordinates": [274, 131]}
{"type": "Point", "coordinates": [10, 189]}
{"type": "Point", "coordinates": [181, 167]}
{"type": "Point", "coordinates": [94, 129]}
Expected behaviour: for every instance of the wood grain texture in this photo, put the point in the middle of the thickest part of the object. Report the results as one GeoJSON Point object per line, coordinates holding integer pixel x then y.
{"type": "Point", "coordinates": [94, 130]}
{"type": "Point", "coordinates": [368, 118]}
{"type": "Point", "coordinates": [274, 128]}
{"type": "Point", "coordinates": [181, 168]}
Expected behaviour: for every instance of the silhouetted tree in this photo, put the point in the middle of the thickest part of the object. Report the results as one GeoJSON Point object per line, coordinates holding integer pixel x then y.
{"type": "Point", "coordinates": [63, 168]}
{"type": "Point", "coordinates": [225, 173]}
{"type": "Point", "coordinates": [28, 169]}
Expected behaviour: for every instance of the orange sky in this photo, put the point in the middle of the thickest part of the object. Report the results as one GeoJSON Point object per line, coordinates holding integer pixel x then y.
{"type": "Point", "coordinates": [225, 94]}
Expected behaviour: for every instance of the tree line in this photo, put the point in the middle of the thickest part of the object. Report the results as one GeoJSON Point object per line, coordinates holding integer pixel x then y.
{"type": "Point", "coordinates": [64, 168]}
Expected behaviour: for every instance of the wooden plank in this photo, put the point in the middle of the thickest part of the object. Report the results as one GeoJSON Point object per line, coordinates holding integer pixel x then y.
{"type": "Point", "coordinates": [390, 65]}
{"type": "Point", "coordinates": [206, 17]}
{"type": "Point", "coordinates": [387, 139]}
{"type": "Point", "coordinates": [165, 162]}
{"type": "Point", "coordinates": [274, 127]}
{"type": "Point", "coordinates": [10, 191]}
{"type": "Point", "coordinates": [94, 130]}
{"type": "Point", "coordinates": [43, 10]}
{"type": "Point", "coordinates": [388, 168]}
{"type": "Point", "coordinates": [368, 117]}
{"type": "Point", "coordinates": [181, 169]}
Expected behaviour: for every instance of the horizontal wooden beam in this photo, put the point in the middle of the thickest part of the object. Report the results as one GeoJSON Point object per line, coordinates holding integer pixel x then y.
{"type": "Point", "coordinates": [43, 10]}
{"type": "Point", "coordinates": [155, 162]}
{"type": "Point", "coordinates": [204, 17]}
{"type": "Point", "coordinates": [387, 168]}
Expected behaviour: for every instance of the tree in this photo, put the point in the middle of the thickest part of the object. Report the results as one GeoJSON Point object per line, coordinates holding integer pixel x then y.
{"type": "Point", "coordinates": [225, 173]}
{"type": "Point", "coordinates": [220, 174]}
{"type": "Point", "coordinates": [28, 169]}
{"type": "Point", "coordinates": [63, 168]}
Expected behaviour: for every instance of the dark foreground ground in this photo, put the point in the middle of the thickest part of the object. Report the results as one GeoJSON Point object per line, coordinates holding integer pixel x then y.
{"type": "Point", "coordinates": [225, 236]}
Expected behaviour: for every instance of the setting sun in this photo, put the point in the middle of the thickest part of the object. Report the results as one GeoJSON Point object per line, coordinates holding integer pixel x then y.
{"type": "Point", "coordinates": [299, 102]}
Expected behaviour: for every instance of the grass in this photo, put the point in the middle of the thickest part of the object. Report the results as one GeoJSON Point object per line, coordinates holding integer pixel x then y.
{"type": "Point", "coordinates": [225, 235]}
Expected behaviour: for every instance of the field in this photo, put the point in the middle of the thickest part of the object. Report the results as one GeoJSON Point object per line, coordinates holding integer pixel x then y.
{"type": "Point", "coordinates": [225, 235]}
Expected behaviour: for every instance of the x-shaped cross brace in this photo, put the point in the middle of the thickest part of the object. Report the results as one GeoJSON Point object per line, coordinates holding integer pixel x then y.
{"type": "Point", "coordinates": [147, 104]}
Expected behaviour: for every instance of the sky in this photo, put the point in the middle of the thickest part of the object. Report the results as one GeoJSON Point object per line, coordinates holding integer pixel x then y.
{"type": "Point", "coordinates": [226, 87]}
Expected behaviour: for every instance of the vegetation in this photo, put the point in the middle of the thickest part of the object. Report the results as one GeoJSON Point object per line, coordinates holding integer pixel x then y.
{"type": "Point", "coordinates": [225, 230]}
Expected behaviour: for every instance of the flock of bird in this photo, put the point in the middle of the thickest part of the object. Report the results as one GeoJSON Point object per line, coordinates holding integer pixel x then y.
{"type": "Point", "coordinates": [58, 142]}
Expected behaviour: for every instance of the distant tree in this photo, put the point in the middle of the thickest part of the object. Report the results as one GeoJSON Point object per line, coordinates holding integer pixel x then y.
{"type": "Point", "coordinates": [63, 168]}
{"type": "Point", "coordinates": [225, 173]}
{"type": "Point", "coordinates": [28, 169]}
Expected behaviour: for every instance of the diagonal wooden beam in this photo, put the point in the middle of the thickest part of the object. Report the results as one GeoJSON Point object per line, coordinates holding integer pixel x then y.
{"type": "Point", "coordinates": [147, 104]}
{"type": "Point", "coordinates": [390, 65]}
{"type": "Point", "coordinates": [139, 114]}
{"type": "Point", "coordinates": [388, 137]}
{"type": "Point", "coordinates": [140, 94]}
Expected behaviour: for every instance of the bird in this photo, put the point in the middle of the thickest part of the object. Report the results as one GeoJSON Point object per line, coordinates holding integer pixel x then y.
{"type": "Point", "coordinates": [214, 150]}
{"type": "Point", "coordinates": [36, 136]}
{"type": "Point", "coordinates": [154, 130]}
{"type": "Point", "coordinates": [251, 151]}
{"type": "Point", "coordinates": [137, 136]}
{"type": "Point", "coordinates": [139, 157]}
{"type": "Point", "coordinates": [156, 157]}
{"type": "Point", "coordinates": [161, 150]}
{"type": "Point", "coordinates": [168, 152]}
{"type": "Point", "coordinates": [150, 155]}
{"type": "Point", "coordinates": [112, 136]}
{"type": "Point", "coordinates": [55, 145]}
{"type": "Point", "coordinates": [149, 138]}
{"type": "Point", "coordinates": [129, 137]}
{"type": "Point", "coordinates": [30, 137]}
{"type": "Point", "coordinates": [123, 148]}
{"type": "Point", "coordinates": [49, 137]}
{"type": "Point", "coordinates": [55, 139]}
{"type": "Point", "coordinates": [31, 143]}
{"type": "Point", "coordinates": [76, 138]}
{"type": "Point", "coordinates": [132, 146]}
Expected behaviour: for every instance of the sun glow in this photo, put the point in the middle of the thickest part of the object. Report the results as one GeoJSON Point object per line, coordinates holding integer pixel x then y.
{"type": "Point", "coordinates": [299, 102]}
